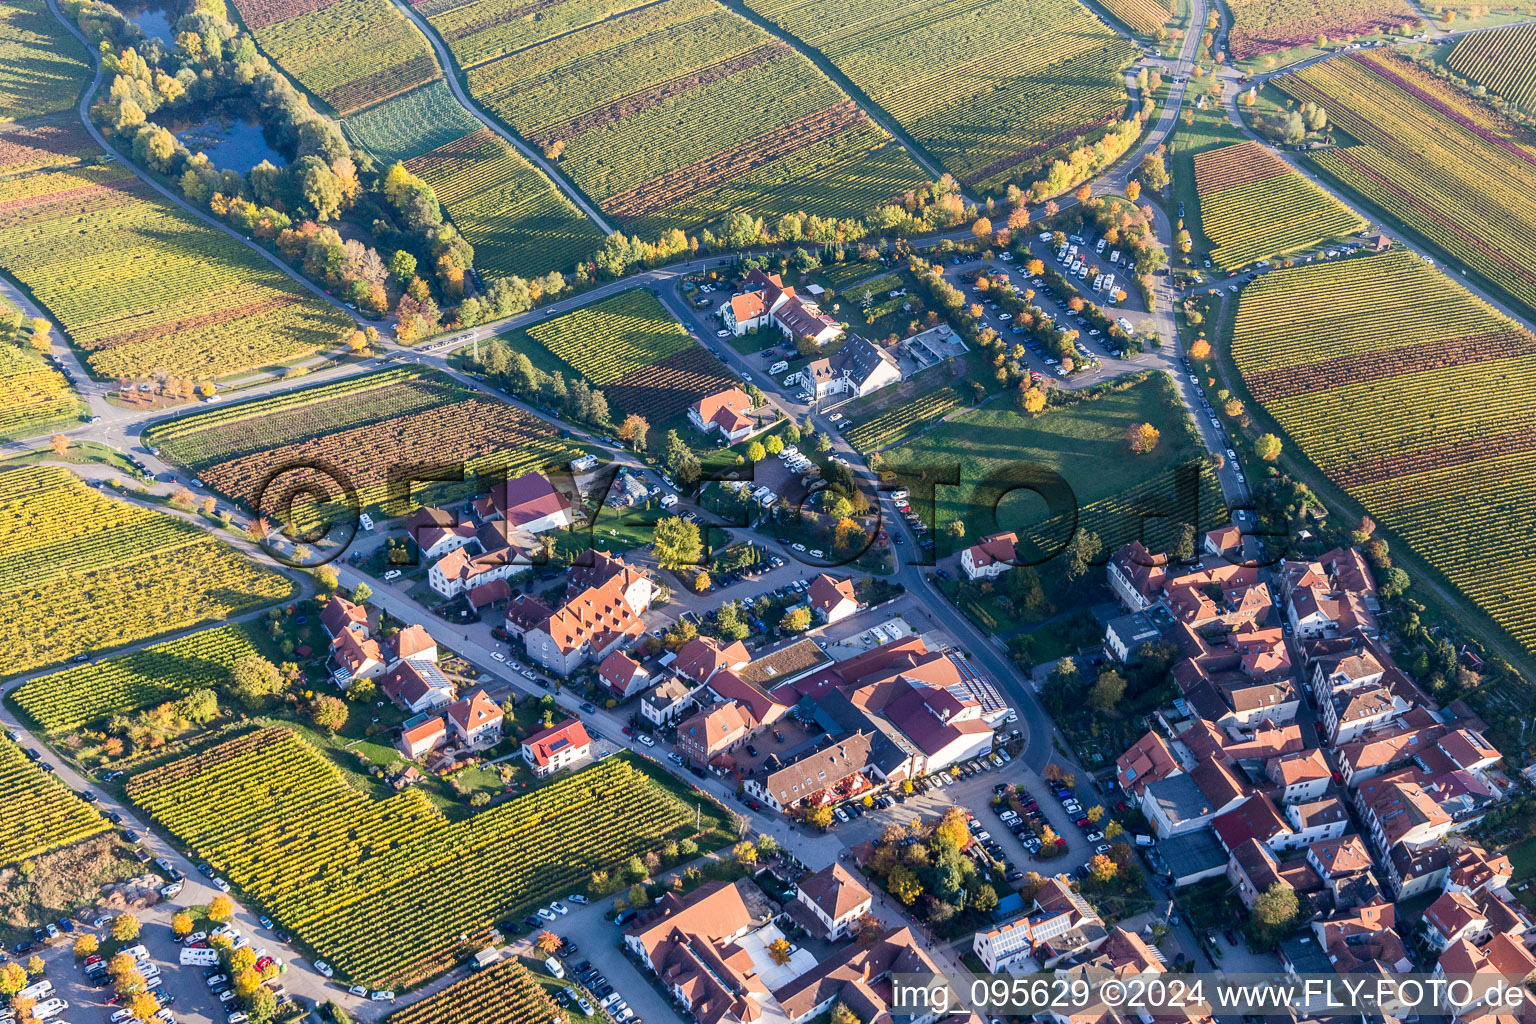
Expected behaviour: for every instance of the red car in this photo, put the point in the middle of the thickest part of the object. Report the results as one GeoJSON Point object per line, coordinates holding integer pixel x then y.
{"type": "Point", "coordinates": [264, 963]}
{"type": "Point", "coordinates": [1083, 823]}
{"type": "Point", "coordinates": [90, 960]}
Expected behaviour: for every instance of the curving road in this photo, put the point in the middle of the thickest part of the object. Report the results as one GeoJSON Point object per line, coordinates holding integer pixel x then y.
{"type": "Point", "coordinates": [451, 75]}
{"type": "Point", "coordinates": [143, 175]}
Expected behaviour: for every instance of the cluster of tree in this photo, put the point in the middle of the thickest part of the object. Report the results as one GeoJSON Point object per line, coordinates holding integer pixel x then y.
{"type": "Point", "coordinates": [1086, 161]}
{"type": "Point", "coordinates": [1293, 124]}
{"type": "Point", "coordinates": [16, 329]}
{"type": "Point", "coordinates": [154, 727]}
{"type": "Point", "coordinates": [932, 875]}
{"type": "Point", "coordinates": [574, 400]}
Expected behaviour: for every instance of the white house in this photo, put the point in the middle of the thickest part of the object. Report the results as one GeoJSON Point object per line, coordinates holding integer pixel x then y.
{"type": "Point", "coordinates": [558, 747]}
{"type": "Point", "coordinates": [667, 702]}
{"type": "Point", "coordinates": [475, 721]}
{"type": "Point", "coordinates": [355, 655]}
{"type": "Point", "coordinates": [418, 686]}
{"type": "Point", "coordinates": [835, 900]}
{"type": "Point", "coordinates": [989, 557]}
{"type": "Point", "coordinates": [831, 599]}
{"type": "Point", "coordinates": [724, 412]}
{"type": "Point", "coordinates": [529, 503]}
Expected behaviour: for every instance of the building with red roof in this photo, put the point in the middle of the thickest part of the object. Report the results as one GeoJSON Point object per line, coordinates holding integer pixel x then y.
{"type": "Point", "coordinates": [475, 721]}
{"type": "Point", "coordinates": [991, 556]}
{"type": "Point", "coordinates": [832, 599]}
{"type": "Point", "coordinates": [1148, 760]}
{"type": "Point", "coordinates": [623, 675]}
{"type": "Point", "coordinates": [725, 413]}
{"type": "Point", "coordinates": [561, 746]}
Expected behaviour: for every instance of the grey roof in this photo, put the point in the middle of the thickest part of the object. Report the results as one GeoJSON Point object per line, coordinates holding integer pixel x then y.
{"type": "Point", "coordinates": [859, 358]}
{"type": "Point", "coordinates": [1304, 954]}
{"type": "Point", "coordinates": [1192, 853]}
{"type": "Point", "coordinates": [1179, 798]}
{"type": "Point", "coordinates": [840, 716]}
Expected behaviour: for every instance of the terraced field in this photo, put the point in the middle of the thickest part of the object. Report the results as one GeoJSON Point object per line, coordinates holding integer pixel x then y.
{"type": "Point", "coordinates": [1447, 167]}
{"type": "Point", "coordinates": [1503, 60]}
{"type": "Point", "coordinates": [43, 68]}
{"type": "Point", "coordinates": [1416, 398]}
{"type": "Point", "coordinates": [350, 53]}
{"type": "Point", "coordinates": [129, 573]}
{"type": "Point", "coordinates": [991, 88]}
{"type": "Point", "coordinates": [142, 287]}
{"type": "Point", "coordinates": [1265, 26]}
{"type": "Point", "coordinates": [388, 890]}
{"type": "Point", "coordinates": [659, 109]}
{"type": "Point", "coordinates": [1254, 206]}
{"type": "Point", "coordinates": [361, 428]}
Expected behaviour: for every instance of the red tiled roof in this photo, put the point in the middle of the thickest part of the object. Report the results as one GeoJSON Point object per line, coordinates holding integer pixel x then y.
{"type": "Point", "coordinates": [546, 743]}
{"type": "Point", "coordinates": [826, 592]}
{"type": "Point", "coordinates": [474, 711]}
{"type": "Point", "coordinates": [527, 498]}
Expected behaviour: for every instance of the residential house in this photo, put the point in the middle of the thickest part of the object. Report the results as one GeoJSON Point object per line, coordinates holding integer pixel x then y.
{"type": "Point", "coordinates": [437, 532]}
{"type": "Point", "coordinates": [989, 557]}
{"type": "Point", "coordinates": [1146, 762]}
{"type": "Point", "coordinates": [1364, 939]}
{"type": "Point", "coordinates": [561, 746]}
{"type": "Point", "coordinates": [1349, 714]}
{"type": "Point", "coordinates": [474, 721]}
{"type": "Point", "coordinates": [1454, 917]}
{"type": "Point", "coordinates": [666, 702]}
{"type": "Point", "coordinates": [529, 503]}
{"type": "Point", "coordinates": [832, 599]}
{"type": "Point", "coordinates": [1189, 801]}
{"type": "Point", "coordinates": [1315, 821]}
{"type": "Point", "coordinates": [861, 977]}
{"type": "Point", "coordinates": [623, 675]}
{"type": "Point", "coordinates": [412, 643]}
{"type": "Point", "coordinates": [724, 412]}
{"type": "Point", "coordinates": [833, 901]}
{"type": "Point", "coordinates": [858, 368]}
{"type": "Point", "coordinates": [767, 301]}
{"type": "Point", "coordinates": [1503, 961]}
{"type": "Point", "coordinates": [601, 611]}
{"type": "Point", "coordinates": [1301, 776]}
{"type": "Point", "coordinates": [355, 655]}
{"type": "Point", "coordinates": [1476, 870]}
{"type": "Point", "coordinates": [1254, 818]}
{"type": "Point", "coordinates": [418, 686]}
{"type": "Point", "coordinates": [423, 737]}
{"type": "Point", "coordinates": [1402, 812]}
{"type": "Point", "coordinates": [1059, 924]}
{"type": "Point", "coordinates": [340, 616]}
{"type": "Point", "coordinates": [700, 658]}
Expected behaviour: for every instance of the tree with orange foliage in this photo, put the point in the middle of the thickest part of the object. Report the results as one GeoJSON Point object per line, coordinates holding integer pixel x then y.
{"type": "Point", "coordinates": [1132, 190]}
{"type": "Point", "coordinates": [982, 229]}
{"type": "Point", "coordinates": [1083, 192]}
{"type": "Point", "coordinates": [1143, 437]}
{"type": "Point", "coordinates": [1201, 349]}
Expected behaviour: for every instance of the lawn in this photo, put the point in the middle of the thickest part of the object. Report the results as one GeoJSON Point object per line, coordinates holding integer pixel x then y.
{"type": "Point", "coordinates": [989, 454]}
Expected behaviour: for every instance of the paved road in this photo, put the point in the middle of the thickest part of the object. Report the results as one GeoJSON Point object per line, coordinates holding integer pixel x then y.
{"type": "Point", "coordinates": [450, 74]}
{"type": "Point", "coordinates": [90, 126]}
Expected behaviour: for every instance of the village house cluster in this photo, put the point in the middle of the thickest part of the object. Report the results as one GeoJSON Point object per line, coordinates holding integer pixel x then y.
{"type": "Point", "coordinates": [1236, 782]}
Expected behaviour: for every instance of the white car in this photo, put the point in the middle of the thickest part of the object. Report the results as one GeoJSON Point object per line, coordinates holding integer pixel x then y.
{"type": "Point", "coordinates": [498, 656]}
{"type": "Point", "coordinates": [359, 990]}
{"type": "Point", "coordinates": [392, 574]}
{"type": "Point", "coordinates": [220, 884]}
{"type": "Point", "coordinates": [383, 996]}
{"type": "Point", "coordinates": [121, 1015]}
{"type": "Point", "coordinates": [668, 500]}
{"type": "Point", "coordinates": [559, 908]}
{"type": "Point", "coordinates": [546, 913]}
{"type": "Point", "coordinates": [578, 899]}
{"type": "Point", "coordinates": [643, 738]}
{"type": "Point", "coordinates": [324, 968]}
{"type": "Point", "coordinates": [722, 333]}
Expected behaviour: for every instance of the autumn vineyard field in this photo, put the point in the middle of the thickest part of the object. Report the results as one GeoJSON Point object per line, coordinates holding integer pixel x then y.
{"type": "Point", "coordinates": [1447, 167]}
{"type": "Point", "coordinates": [503, 994]}
{"type": "Point", "coordinates": [87, 694]}
{"type": "Point", "coordinates": [991, 88]}
{"type": "Point", "coordinates": [1254, 206]}
{"type": "Point", "coordinates": [1503, 60]}
{"type": "Point", "coordinates": [361, 427]}
{"type": "Point", "coordinates": [1417, 399]}
{"type": "Point", "coordinates": [142, 287]}
{"type": "Point", "coordinates": [632, 349]}
{"type": "Point", "coordinates": [350, 53]}
{"type": "Point", "coordinates": [43, 68]}
{"type": "Point", "coordinates": [130, 573]}
{"type": "Point", "coordinates": [40, 813]}
{"type": "Point", "coordinates": [1144, 17]}
{"type": "Point", "coordinates": [383, 889]}
{"type": "Point", "coordinates": [37, 397]}
{"type": "Point", "coordinates": [894, 424]}
{"type": "Point", "coordinates": [1265, 26]}
{"type": "Point", "coordinates": [657, 110]}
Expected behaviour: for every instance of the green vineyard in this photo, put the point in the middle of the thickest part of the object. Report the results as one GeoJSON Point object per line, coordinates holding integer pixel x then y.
{"type": "Point", "coordinates": [384, 889]}
{"type": "Point", "coordinates": [129, 573]}
{"type": "Point", "coordinates": [77, 697]}
{"type": "Point", "coordinates": [1417, 399]}
{"type": "Point", "coordinates": [895, 424]}
{"type": "Point", "coordinates": [40, 813]}
{"type": "Point", "coordinates": [503, 994]}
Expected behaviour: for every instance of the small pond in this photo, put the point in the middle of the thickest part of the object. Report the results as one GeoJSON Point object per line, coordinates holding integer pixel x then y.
{"type": "Point", "coordinates": [233, 144]}
{"type": "Point", "coordinates": [154, 18]}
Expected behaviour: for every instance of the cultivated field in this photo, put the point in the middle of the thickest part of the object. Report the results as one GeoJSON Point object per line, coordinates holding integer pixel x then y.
{"type": "Point", "coordinates": [1254, 206]}
{"type": "Point", "coordinates": [81, 572]}
{"type": "Point", "coordinates": [412, 124]}
{"type": "Point", "coordinates": [383, 889]}
{"type": "Point", "coordinates": [142, 287]}
{"type": "Point", "coordinates": [350, 53]}
{"type": "Point", "coordinates": [1416, 398]}
{"type": "Point", "coordinates": [660, 109]}
{"type": "Point", "coordinates": [1143, 17]}
{"type": "Point", "coordinates": [1504, 60]}
{"type": "Point", "coordinates": [42, 67]}
{"type": "Point", "coordinates": [631, 349]}
{"type": "Point", "coordinates": [894, 424]}
{"type": "Point", "coordinates": [57, 140]}
{"type": "Point", "coordinates": [87, 694]}
{"type": "Point", "coordinates": [1447, 167]}
{"type": "Point", "coordinates": [1264, 26]}
{"type": "Point", "coordinates": [40, 813]}
{"type": "Point", "coordinates": [37, 397]}
{"type": "Point", "coordinates": [1085, 443]}
{"type": "Point", "coordinates": [989, 87]}
{"type": "Point", "coordinates": [503, 994]}
{"type": "Point", "coordinates": [360, 429]}
{"type": "Point", "coordinates": [513, 215]}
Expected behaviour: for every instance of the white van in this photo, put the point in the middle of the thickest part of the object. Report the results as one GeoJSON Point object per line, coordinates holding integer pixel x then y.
{"type": "Point", "coordinates": [779, 367]}
{"type": "Point", "coordinates": [199, 957]}
{"type": "Point", "coordinates": [49, 1008]}
{"type": "Point", "coordinates": [553, 967]}
{"type": "Point", "coordinates": [37, 991]}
